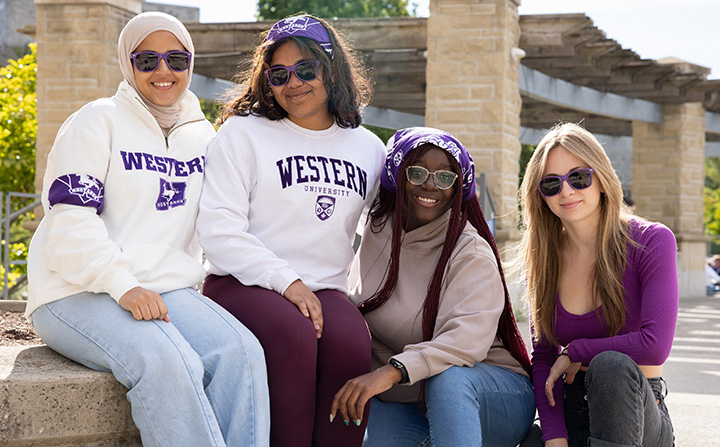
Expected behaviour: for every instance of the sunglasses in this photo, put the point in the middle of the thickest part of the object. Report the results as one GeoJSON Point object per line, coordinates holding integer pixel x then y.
{"type": "Point", "coordinates": [280, 75]}
{"type": "Point", "coordinates": [147, 61]}
{"type": "Point", "coordinates": [578, 179]}
{"type": "Point", "coordinates": [417, 175]}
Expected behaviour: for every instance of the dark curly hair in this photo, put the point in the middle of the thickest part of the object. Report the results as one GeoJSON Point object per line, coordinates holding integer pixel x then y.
{"type": "Point", "coordinates": [347, 85]}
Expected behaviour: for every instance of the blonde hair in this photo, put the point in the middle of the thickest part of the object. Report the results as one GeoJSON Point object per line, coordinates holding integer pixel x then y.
{"type": "Point", "coordinates": [542, 241]}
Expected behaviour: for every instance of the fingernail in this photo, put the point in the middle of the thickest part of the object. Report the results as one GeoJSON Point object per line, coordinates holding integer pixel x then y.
{"type": "Point", "coordinates": [346, 422]}
{"type": "Point", "coordinates": [357, 422]}
{"type": "Point", "coordinates": [332, 416]}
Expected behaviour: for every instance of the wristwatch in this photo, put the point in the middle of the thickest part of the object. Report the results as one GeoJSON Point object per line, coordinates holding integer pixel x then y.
{"type": "Point", "coordinates": [398, 364]}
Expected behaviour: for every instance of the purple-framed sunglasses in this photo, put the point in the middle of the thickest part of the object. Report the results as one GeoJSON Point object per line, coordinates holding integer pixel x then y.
{"type": "Point", "coordinates": [578, 179]}
{"type": "Point", "coordinates": [147, 61]}
{"type": "Point", "coordinates": [279, 75]}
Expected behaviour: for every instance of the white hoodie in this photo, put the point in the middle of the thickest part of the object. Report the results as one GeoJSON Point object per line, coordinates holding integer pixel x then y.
{"type": "Point", "coordinates": [120, 202]}
{"type": "Point", "coordinates": [281, 202]}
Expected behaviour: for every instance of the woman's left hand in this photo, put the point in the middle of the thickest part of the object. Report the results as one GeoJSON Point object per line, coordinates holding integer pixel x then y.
{"type": "Point", "coordinates": [562, 365]}
{"type": "Point", "coordinates": [353, 396]}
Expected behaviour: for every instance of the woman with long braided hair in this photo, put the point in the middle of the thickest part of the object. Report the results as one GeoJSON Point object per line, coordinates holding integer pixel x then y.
{"type": "Point", "coordinates": [449, 364]}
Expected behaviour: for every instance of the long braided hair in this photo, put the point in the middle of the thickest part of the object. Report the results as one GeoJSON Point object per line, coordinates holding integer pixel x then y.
{"type": "Point", "coordinates": [462, 211]}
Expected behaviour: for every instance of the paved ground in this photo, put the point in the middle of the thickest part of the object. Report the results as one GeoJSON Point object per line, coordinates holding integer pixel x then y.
{"type": "Point", "coordinates": [693, 374]}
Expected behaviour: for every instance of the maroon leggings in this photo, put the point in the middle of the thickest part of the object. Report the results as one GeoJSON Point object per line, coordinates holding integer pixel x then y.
{"type": "Point", "coordinates": [304, 373]}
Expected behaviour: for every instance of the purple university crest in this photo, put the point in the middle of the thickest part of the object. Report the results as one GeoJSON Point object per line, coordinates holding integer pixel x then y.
{"type": "Point", "coordinates": [172, 194]}
{"type": "Point", "coordinates": [77, 189]}
{"type": "Point", "coordinates": [324, 207]}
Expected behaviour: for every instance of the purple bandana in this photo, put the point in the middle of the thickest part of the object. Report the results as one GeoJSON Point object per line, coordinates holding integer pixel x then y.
{"type": "Point", "coordinates": [405, 140]}
{"type": "Point", "coordinates": [301, 26]}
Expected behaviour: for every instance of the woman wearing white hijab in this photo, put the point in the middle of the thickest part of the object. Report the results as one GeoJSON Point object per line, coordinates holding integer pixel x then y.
{"type": "Point", "coordinates": [113, 263]}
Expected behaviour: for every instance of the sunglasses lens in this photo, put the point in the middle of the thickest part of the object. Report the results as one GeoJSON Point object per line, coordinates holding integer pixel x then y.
{"type": "Point", "coordinates": [549, 186]}
{"type": "Point", "coordinates": [178, 61]}
{"type": "Point", "coordinates": [580, 179]}
{"type": "Point", "coordinates": [278, 76]}
{"type": "Point", "coordinates": [306, 71]}
{"type": "Point", "coordinates": [146, 61]}
{"type": "Point", "coordinates": [444, 179]}
{"type": "Point", "coordinates": [417, 175]}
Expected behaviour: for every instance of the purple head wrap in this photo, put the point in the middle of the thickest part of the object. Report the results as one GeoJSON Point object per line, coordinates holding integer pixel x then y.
{"type": "Point", "coordinates": [301, 26]}
{"type": "Point", "coordinates": [405, 140]}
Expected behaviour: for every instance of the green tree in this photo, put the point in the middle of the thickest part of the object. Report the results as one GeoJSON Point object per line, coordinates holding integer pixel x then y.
{"type": "Point", "coordinates": [278, 9]}
{"type": "Point", "coordinates": [383, 133]}
{"type": "Point", "coordinates": [526, 151]}
{"type": "Point", "coordinates": [711, 198]}
{"type": "Point", "coordinates": [18, 132]}
{"type": "Point", "coordinates": [18, 123]}
{"type": "Point", "coordinates": [211, 109]}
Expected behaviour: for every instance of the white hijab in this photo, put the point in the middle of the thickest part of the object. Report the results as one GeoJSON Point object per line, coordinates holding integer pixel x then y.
{"type": "Point", "coordinates": [136, 30]}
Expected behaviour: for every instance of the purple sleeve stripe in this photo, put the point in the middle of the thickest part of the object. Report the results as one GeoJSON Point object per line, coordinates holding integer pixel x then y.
{"type": "Point", "coordinates": [77, 189]}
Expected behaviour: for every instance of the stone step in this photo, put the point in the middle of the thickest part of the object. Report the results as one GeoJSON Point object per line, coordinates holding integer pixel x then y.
{"type": "Point", "coordinates": [48, 400]}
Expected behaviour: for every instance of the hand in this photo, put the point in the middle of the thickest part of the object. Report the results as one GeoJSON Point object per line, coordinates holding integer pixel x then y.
{"type": "Point", "coordinates": [557, 442]}
{"type": "Point", "coordinates": [308, 303]}
{"type": "Point", "coordinates": [562, 365]}
{"type": "Point", "coordinates": [353, 396]}
{"type": "Point", "coordinates": [144, 304]}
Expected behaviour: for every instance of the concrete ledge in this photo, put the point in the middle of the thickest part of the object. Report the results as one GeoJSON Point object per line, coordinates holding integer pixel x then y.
{"type": "Point", "coordinates": [48, 400]}
{"type": "Point", "coordinates": [13, 305]}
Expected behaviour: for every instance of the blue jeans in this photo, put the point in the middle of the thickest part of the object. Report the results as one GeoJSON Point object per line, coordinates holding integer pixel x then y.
{"type": "Point", "coordinates": [199, 380]}
{"type": "Point", "coordinates": [484, 405]}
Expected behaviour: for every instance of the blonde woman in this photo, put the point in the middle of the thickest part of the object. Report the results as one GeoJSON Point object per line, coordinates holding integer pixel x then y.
{"type": "Point", "coordinates": [603, 295]}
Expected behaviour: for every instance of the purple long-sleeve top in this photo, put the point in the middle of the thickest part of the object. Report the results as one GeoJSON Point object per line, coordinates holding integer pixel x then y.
{"type": "Point", "coordinates": [651, 297]}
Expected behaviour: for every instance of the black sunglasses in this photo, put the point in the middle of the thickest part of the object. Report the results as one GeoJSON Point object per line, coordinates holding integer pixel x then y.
{"type": "Point", "coordinates": [578, 179]}
{"type": "Point", "coordinates": [147, 61]}
{"type": "Point", "coordinates": [279, 75]}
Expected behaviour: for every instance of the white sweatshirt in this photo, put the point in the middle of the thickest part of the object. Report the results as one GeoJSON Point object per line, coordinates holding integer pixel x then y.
{"type": "Point", "coordinates": [120, 202]}
{"type": "Point", "coordinates": [281, 202]}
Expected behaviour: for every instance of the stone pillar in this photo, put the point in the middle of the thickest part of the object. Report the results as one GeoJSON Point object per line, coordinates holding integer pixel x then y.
{"type": "Point", "coordinates": [473, 92]}
{"type": "Point", "coordinates": [667, 185]}
{"type": "Point", "coordinates": [77, 61]}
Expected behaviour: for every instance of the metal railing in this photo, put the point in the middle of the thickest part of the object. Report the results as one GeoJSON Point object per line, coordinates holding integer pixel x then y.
{"type": "Point", "coordinates": [9, 216]}
{"type": "Point", "coordinates": [486, 201]}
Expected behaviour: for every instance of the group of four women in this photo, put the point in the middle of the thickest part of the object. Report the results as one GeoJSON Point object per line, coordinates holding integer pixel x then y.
{"type": "Point", "coordinates": [411, 341]}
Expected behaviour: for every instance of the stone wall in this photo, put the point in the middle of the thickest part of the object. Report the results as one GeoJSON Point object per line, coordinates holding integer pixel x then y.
{"type": "Point", "coordinates": [667, 184]}
{"type": "Point", "coordinates": [472, 92]}
{"type": "Point", "coordinates": [14, 14]}
{"type": "Point", "coordinates": [186, 14]}
{"type": "Point", "coordinates": [77, 61]}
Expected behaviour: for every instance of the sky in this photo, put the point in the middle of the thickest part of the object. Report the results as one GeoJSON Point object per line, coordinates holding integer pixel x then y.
{"type": "Point", "coordinates": [685, 29]}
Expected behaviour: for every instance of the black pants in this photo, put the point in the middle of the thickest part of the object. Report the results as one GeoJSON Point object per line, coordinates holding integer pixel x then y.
{"type": "Point", "coordinates": [614, 405]}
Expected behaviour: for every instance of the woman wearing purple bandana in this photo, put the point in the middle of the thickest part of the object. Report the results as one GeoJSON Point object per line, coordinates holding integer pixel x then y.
{"type": "Point", "coordinates": [287, 179]}
{"type": "Point", "coordinates": [450, 367]}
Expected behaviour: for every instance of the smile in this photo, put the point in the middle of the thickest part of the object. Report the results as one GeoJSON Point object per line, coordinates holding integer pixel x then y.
{"type": "Point", "coordinates": [570, 205]}
{"type": "Point", "coordinates": [162, 84]}
{"type": "Point", "coordinates": [426, 200]}
{"type": "Point", "coordinates": [296, 96]}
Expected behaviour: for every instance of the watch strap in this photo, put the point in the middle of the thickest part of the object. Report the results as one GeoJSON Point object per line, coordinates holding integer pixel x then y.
{"type": "Point", "coordinates": [398, 364]}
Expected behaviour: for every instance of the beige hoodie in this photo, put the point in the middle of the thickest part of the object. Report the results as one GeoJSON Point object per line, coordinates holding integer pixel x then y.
{"type": "Point", "coordinates": [471, 302]}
